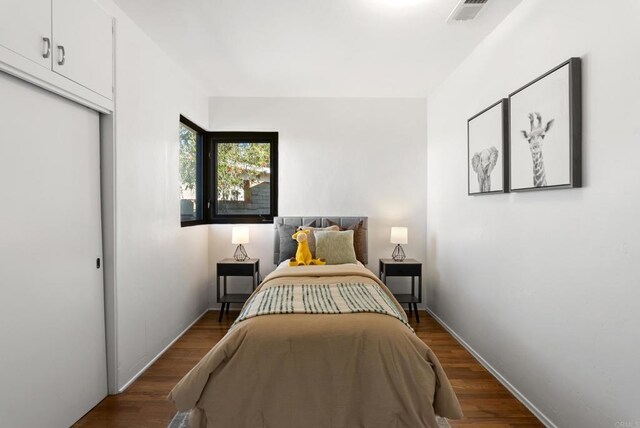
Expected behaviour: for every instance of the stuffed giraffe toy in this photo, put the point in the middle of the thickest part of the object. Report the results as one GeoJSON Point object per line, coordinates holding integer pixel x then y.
{"type": "Point", "coordinates": [303, 254]}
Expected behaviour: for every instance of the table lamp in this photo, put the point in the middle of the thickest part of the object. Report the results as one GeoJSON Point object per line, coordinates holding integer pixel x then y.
{"type": "Point", "coordinates": [240, 235]}
{"type": "Point", "coordinates": [398, 236]}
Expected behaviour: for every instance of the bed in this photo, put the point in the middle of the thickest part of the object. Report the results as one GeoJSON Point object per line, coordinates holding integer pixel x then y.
{"type": "Point", "coordinates": [318, 347]}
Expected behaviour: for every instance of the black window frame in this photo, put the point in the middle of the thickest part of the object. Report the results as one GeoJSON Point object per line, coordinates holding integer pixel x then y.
{"type": "Point", "coordinates": [248, 136]}
{"type": "Point", "coordinates": [206, 187]}
{"type": "Point", "coordinates": [201, 172]}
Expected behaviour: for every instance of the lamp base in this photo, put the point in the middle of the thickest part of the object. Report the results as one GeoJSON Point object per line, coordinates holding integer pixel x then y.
{"type": "Point", "coordinates": [398, 254]}
{"type": "Point", "coordinates": [240, 255]}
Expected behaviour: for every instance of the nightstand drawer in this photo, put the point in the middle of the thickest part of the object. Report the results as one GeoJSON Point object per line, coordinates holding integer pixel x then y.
{"type": "Point", "coordinates": [403, 269]}
{"type": "Point", "coordinates": [230, 267]}
{"type": "Point", "coordinates": [240, 269]}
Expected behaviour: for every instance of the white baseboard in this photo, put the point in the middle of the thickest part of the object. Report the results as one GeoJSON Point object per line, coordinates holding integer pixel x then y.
{"type": "Point", "coordinates": [126, 385]}
{"type": "Point", "coordinates": [537, 413]}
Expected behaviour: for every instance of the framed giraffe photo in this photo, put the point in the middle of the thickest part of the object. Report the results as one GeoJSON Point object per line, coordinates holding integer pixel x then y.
{"type": "Point", "coordinates": [487, 160]}
{"type": "Point", "coordinates": [545, 118]}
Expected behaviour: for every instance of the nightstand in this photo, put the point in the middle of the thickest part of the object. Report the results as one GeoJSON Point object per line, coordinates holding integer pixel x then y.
{"type": "Point", "coordinates": [407, 267]}
{"type": "Point", "coordinates": [231, 267]}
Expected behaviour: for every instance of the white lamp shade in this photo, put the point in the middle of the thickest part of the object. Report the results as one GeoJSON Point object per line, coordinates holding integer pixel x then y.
{"type": "Point", "coordinates": [399, 235]}
{"type": "Point", "coordinates": [240, 235]}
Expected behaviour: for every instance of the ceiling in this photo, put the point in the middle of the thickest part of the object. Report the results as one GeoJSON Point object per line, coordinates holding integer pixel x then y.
{"type": "Point", "coordinates": [315, 48]}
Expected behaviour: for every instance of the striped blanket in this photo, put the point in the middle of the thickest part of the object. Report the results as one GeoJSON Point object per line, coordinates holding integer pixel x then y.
{"type": "Point", "coordinates": [340, 298]}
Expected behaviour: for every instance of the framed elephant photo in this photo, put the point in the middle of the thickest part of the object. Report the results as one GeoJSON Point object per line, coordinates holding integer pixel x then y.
{"type": "Point", "coordinates": [546, 131]}
{"type": "Point", "coordinates": [487, 146]}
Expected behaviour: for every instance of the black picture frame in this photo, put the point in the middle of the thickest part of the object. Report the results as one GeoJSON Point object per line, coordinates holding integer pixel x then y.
{"type": "Point", "coordinates": [573, 140]}
{"type": "Point", "coordinates": [503, 157]}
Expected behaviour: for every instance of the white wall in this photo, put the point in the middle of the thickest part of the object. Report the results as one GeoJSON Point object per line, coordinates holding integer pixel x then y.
{"type": "Point", "coordinates": [544, 285]}
{"type": "Point", "coordinates": [161, 273]}
{"type": "Point", "coordinates": [337, 156]}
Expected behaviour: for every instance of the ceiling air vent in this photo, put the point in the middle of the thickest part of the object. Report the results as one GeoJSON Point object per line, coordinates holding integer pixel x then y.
{"type": "Point", "coordinates": [466, 10]}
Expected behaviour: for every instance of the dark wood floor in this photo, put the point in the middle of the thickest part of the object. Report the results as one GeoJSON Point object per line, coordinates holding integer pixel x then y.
{"type": "Point", "coordinates": [485, 402]}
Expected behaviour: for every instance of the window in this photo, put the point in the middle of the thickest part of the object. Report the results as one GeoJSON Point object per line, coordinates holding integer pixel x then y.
{"type": "Point", "coordinates": [227, 177]}
{"type": "Point", "coordinates": [191, 172]}
{"type": "Point", "coordinates": [245, 176]}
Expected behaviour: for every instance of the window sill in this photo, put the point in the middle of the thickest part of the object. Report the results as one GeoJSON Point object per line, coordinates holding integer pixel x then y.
{"type": "Point", "coordinates": [189, 223]}
{"type": "Point", "coordinates": [229, 220]}
{"type": "Point", "coordinates": [242, 220]}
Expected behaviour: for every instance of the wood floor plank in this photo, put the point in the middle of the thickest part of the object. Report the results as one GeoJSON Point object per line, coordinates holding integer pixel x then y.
{"type": "Point", "coordinates": [485, 402]}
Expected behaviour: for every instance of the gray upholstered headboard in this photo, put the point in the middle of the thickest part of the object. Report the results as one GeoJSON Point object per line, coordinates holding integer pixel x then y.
{"type": "Point", "coordinates": [320, 222]}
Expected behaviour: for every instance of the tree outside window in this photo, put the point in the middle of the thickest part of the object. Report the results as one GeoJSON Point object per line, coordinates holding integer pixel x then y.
{"type": "Point", "coordinates": [243, 178]}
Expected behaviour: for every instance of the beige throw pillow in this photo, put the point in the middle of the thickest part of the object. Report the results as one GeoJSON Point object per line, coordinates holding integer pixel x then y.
{"type": "Point", "coordinates": [358, 238]}
{"type": "Point", "coordinates": [335, 247]}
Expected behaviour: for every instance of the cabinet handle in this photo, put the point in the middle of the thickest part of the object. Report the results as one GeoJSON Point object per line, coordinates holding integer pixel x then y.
{"type": "Point", "coordinates": [62, 55]}
{"type": "Point", "coordinates": [47, 47]}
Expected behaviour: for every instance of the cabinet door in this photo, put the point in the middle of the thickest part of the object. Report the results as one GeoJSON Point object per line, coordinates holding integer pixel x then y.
{"type": "Point", "coordinates": [83, 44]}
{"type": "Point", "coordinates": [23, 26]}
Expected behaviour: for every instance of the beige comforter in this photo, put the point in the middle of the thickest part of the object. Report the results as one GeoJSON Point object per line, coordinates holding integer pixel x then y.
{"type": "Point", "coordinates": [318, 370]}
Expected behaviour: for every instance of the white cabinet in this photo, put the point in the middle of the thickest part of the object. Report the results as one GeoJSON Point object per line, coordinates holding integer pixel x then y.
{"type": "Point", "coordinates": [82, 38]}
{"type": "Point", "coordinates": [64, 46]}
{"type": "Point", "coordinates": [25, 28]}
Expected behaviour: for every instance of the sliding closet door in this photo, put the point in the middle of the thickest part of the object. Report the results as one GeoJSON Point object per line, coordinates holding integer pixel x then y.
{"type": "Point", "coordinates": [52, 336]}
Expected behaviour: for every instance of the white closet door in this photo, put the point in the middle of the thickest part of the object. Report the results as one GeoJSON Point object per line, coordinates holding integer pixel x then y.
{"type": "Point", "coordinates": [23, 25]}
{"type": "Point", "coordinates": [85, 32]}
{"type": "Point", "coordinates": [52, 332]}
